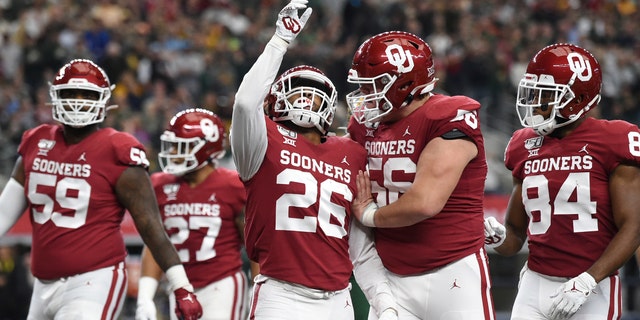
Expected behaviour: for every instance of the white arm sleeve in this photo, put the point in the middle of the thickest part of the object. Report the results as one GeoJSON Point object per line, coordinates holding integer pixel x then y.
{"type": "Point", "coordinates": [13, 204]}
{"type": "Point", "coordinates": [147, 287]}
{"type": "Point", "coordinates": [368, 270]}
{"type": "Point", "coordinates": [248, 134]}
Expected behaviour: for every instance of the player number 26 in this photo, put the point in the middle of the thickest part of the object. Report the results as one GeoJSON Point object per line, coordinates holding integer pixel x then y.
{"type": "Point", "coordinates": [326, 208]}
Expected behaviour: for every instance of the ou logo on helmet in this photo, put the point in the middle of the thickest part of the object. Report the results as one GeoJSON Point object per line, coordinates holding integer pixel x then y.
{"type": "Point", "coordinates": [580, 66]}
{"type": "Point", "coordinates": [399, 58]}
{"type": "Point", "coordinates": [210, 130]}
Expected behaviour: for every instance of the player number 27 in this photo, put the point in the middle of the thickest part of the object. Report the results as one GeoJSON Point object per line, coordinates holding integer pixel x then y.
{"type": "Point", "coordinates": [582, 207]}
{"type": "Point", "coordinates": [211, 224]}
{"type": "Point", "coordinates": [326, 208]}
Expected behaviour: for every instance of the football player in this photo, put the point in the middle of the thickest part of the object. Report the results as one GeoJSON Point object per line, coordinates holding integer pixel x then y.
{"type": "Point", "coordinates": [427, 170]}
{"type": "Point", "coordinates": [575, 195]}
{"type": "Point", "coordinates": [75, 181]}
{"type": "Point", "coordinates": [202, 207]}
{"type": "Point", "coordinates": [300, 182]}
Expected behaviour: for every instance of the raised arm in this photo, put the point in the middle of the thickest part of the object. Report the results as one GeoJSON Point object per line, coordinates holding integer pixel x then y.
{"type": "Point", "coordinates": [248, 129]}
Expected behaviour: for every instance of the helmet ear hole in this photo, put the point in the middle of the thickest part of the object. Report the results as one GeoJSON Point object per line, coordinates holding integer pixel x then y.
{"type": "Point", "coordinates": [406, 86]}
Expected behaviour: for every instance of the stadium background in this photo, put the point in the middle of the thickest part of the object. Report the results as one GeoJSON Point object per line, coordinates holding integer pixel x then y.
{"type": "Point", "coordinates": [167, 55]}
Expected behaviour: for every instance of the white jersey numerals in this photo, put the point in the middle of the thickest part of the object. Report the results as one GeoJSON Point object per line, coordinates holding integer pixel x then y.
{"type": "Point", "coordinates": [185, 224]}
{"type": "Point", "coordinates": [634, 143]}
{"type": "Point", "coordinates": [326, 208]}
{"type": "Point", "coordinates": [578, 184]}
{"type": "Point", "coordinates": [469, 117]}
{"type": "Point", "coordinates": [391, 190]}
{"type": "Point", "coordinates": [139, 157]}
{"type": "Point", "coordinates": [43, 204]}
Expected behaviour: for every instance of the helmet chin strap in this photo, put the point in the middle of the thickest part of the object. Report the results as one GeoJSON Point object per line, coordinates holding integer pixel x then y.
{"type": "Point", "coordinates": [306, 119]}
{"type": "Point", "coordinates": [407, 100]}
{"type": "Point", "coordinates": [546, 128]}
{"type": "Point", "coordinates": [417, 91]}
{"type": "Point", "coordinates": [542, 129]}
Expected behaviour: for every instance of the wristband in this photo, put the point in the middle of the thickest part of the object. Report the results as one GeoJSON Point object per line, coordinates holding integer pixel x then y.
{"type": "Point", "coordinates": [368, 216]}
{"type": "Point", "coordinates": [278, 42]}
{"type": "Point", "coordinates": [177, 278]}
{"type": "Point", "coordinates": [147, 287]}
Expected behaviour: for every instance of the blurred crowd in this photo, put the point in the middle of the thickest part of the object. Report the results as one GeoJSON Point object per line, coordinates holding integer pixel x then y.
{"type": "Point", "coordinates": [168, 55]}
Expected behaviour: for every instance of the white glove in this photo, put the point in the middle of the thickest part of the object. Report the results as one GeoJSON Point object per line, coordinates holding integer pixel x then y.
{"type": "Point", "coordinates": [494, 232]}
{"type": "Point", "coordinates": [571, 295]}
{"type": "Point", "coordinates": [289, 25]}
{"type": "Point", "coordinates": [386, 302]}
{"type": "Point", "coordinates": [146, 310]}
{"type": "Point", "coordinates": [388, 314]}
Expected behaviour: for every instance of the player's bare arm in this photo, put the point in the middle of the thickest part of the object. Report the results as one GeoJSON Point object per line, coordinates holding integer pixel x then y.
{"type": "Point", "coordinates": [134, 191]}
{"type": "Point", "coordinates": [254, 266]}
{"type": "Point", "coordinates": [239, 221]}
{"type": "Point", "coordinates": [150, 267]}
{"type": "Point", "coordinates": [516, 222]}
{"type": "Point", "coordinates": [150, 275]}
{"type": "Point", "coordinates": [438, 171]}
{"type": "Point", "coordinates": [624, 186]}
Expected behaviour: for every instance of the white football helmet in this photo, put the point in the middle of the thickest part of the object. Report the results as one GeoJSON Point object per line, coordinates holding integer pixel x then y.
{"type": "Point", "coordinates": [308, 83]}
{"type": "Point", "coordinates": [80, 74]}
{"type": "Point", "coordinates": [193, 139]}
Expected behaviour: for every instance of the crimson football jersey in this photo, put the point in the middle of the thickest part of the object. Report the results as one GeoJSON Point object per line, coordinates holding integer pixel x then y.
{"type": "Point", "coordinates": [200, 222]}
{"type": "Point", "coordinates": [565, 191]}
{"type": "Point", "coordinates": [75, 214]}
{"type": "Point", "coordinates": [297, 230]}
{"type": "Point", "coordinates": [394, 150]}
